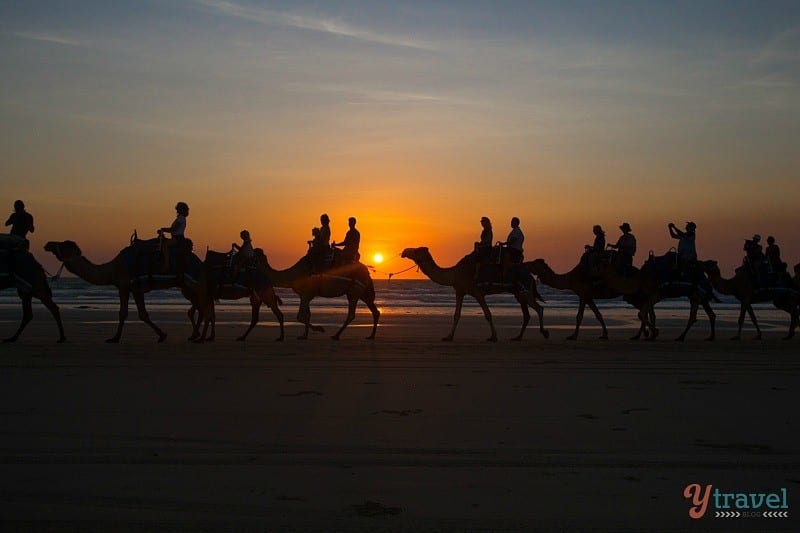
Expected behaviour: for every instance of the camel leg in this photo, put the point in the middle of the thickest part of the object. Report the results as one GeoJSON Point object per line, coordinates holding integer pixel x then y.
{"type": "Point", "coordinates": [209, 318]}
{"type": "Point", "coordinates": [456, 315]}
{"type": "Point", "coordinates": [272, 302]}
{"type": "Point", "coordinates": [642, 328]}
{"type": "Point", "coordinates": [540, 313]}
{"type": "Point", "coordinates": [376, 315]}
{"type": "Point", "coordinates": [792, 323]}
{"type": "Point", "coordinates": [124, 294]}
{"type": "Point", "coordinates": [51, 306]}
{"type": "Point", "coordinates": [352, 302]}
{"type": "Point", "coordinates": [752, 315]}
{"type": "Point", "coordinates": [138, 297]}
{"type": "Point", "coordinates": [195, 324]}
{"type": "Point", "coordinates": [599, 317]}
{"type": "Point", "coordinates": [712, 319]}
{"type": "Point", "coordinates": [526, 317]}
{"type": "Point", "coordinates": [740, 322]}
{"type": "Point", "coordinates": [255, 309]}
{"type": "Point", "coordinates": [792, 310]}
{"type": "Point", "coordinates": [488, 314]}
{"type": "Point", "coordinates": [692, 320]}
{"type": "Point", "coordinates": [27, 316]}
{"type": "Point", "coordinates": [578, 319]}
{"type": "Point", "coordinates": [651, 314]}
{"type": "Point", "coordinates": [304, 317]}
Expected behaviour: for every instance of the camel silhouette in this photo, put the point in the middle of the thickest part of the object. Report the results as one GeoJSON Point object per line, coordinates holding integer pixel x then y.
{"type": "Point", "coordinates": [741, 286]}
{"type": "Point", "coordinates": [117, 274]}
{"type": "Point", "coordinates": [351, 280]}
{"type": "Point", "coordinates": [213, 286]}
{"type": "Point", "coordinates": [19, 269]}
{"type": "Point", "coordinates": [462, 278]}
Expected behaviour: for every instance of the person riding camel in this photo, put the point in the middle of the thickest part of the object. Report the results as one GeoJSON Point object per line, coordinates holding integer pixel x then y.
{"type": "Point", "coordinates": [324, 231]}
{"type": "Point", "coordinates": [244, 253]}
{"type": "Point", "coordinates": [687, 251]}
{"type": "Point", "coordinates": [773, 255]}
{"type": "Point", "coordinates": [625, 247]}
{"type": "Point", "coordinates": [514, 242]}
{"type": "Point", "coordinates": [319, 252]}
{"type": "Point", "coordinates": [594, 253]}
{"type": "Point", "coordinates": [349, 246]}
{"type": "Point", "coordinates": [687, 256]}
{"type": "Point", "coordinates": [177, 231]}
{"type": "Point", "coordinates": [513, 247]}
{"type": "Point", "coordinates": [754, 255]}
{"type": "Point", "coordinates": [21, 223]}
{"type": "Point", "coordinates": [483, 248]}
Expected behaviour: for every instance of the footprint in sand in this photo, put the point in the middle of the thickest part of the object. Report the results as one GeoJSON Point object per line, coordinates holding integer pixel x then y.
{"type": "Point", "coordinates": [303, 393]}
{"type": "Point", "coordinates": [396, 412]}
{"type": "Point", "coordinates": [634, 410]}
{"type": "Point", "coordinates": [374, 509]}
{"type": "Point", "coordinates": [739, 446]}
{"type": "Point", "coordinates": [286, 498]}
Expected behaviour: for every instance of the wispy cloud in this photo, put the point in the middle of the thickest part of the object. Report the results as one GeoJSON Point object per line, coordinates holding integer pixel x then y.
{"type": "Point", "coordinates": [329, 25]}
{"type": "Point", "coordinates": [782, 48]}
{"type": "Point", "coordinates": [361, 94]}
{"type": "Point", "coordinates": [48, 38]}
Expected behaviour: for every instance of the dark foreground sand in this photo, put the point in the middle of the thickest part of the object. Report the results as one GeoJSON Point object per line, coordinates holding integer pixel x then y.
{"type": "Point", "coordinates": [404, 433]}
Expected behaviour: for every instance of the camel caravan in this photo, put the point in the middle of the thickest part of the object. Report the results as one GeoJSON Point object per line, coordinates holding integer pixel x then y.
{"type": "Point", "coordinates": [330, 269]}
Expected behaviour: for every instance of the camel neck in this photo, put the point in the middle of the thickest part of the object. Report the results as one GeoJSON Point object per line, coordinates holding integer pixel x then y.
{"type": "Point", "coordinates": [89, 272]}
{"type": "Point", "coordinates": [285, 278]}
{"type": "Point", "coordinates": [722, 285]}
{"type": "Point", "coordinates": [437, 274]}
{"type": "Point", "coordinates": [557, 281]}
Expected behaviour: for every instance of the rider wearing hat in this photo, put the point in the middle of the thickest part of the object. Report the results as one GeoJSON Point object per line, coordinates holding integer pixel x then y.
{"type": "Point", "coordinates": [687, 252]}
{"type": "Point", "coordinates": [626, 246]}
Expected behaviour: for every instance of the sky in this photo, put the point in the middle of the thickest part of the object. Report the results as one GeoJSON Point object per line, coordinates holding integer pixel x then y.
{"type": "Point", "coordinates": [418, 118]}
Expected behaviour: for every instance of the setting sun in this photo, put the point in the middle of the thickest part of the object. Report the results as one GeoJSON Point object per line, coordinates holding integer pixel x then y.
{"type": "Point", "coordinates": [378, 258]}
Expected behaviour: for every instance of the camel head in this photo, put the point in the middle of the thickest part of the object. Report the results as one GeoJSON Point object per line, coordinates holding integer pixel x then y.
{"type": "Point", "coordinates": [711, 268]}
{"type": "Point", "coordinates": [417, 255]}
{"type": "Point", "coordinates": [64, 251]}
{"type": "Point", "coordinates": [537, 266]}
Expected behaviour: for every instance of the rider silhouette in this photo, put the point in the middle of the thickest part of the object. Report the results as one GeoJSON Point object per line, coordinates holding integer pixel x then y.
{"type": "Point", "coordinates": [352, 240]}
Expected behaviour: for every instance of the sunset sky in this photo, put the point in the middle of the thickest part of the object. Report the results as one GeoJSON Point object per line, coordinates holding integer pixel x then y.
{"type": "Point", "coordinates": [416, 117]}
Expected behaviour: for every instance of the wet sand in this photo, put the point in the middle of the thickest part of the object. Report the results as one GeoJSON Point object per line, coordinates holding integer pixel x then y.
{"type": "Point", "coordinates": [403, 433]}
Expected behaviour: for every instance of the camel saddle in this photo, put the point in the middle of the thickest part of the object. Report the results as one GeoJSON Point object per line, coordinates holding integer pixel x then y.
{"type": "Point", "coordinates": [593, 262]}
{"type": "Point", "coordinates": [764, 276]}
{"type": "Point", "coordinates": [144, 258]}
{"type": "Point", "coordinates": [320, 260]}
{"type": "Point", "coordinates": [666, 268]}
{"type": "Point", "coordinates": [496, 269]}
{"type": "Point", "coordinates": [220, 266]}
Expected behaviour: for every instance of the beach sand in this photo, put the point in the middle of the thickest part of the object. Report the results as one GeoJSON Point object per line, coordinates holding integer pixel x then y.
{"type": "Point", "coordinates": [402, 433]}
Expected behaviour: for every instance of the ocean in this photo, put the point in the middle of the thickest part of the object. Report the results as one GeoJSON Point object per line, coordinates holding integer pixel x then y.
{"type": "Point", "coordinates": [414, 296]}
